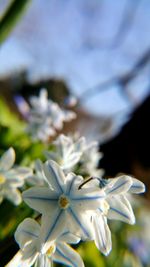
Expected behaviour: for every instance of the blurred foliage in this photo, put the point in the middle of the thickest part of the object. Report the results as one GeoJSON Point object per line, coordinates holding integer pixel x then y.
{"type": "Point", "coordinates": [11, 16]}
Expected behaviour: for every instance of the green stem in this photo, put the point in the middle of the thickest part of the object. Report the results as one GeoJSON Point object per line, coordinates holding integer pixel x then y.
{"type": "Point", "coordinates": [11, 16]}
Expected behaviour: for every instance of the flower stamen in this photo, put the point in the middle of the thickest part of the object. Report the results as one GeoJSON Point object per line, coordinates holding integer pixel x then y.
{"type": "Point", "coordinates": [63, 202]}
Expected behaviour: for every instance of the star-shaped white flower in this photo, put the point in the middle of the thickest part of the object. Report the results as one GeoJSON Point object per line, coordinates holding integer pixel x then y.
{"type": "Point", "coordinates": [115, 205]}
{"type": "Point", "coordinates": [11, 177]}
{"type": "Point", "coordinates": [62, 204]}
{"type": "Point", "coordinates": [42, 255]}
{"type": "Point", "coordinates": [117, 190]}
{"type": "Point", "coordinates": [67, 152]}
{"type": "Point", "coordinates": [46, 117]}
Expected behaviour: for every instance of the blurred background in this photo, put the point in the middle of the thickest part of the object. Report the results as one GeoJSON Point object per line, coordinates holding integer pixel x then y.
{"type": "Point", "coordinates": [98, 52]}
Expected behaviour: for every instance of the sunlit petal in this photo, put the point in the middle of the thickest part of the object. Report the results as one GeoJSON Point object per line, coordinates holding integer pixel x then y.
{"type": "Point", "coordinates": [52, 226]}
{"type": "Point", "coordinates": [118, 185]}
{"type": "Point", "coordinates": [43, 261]}
{"type": "Point", "coordinates": [137, 187]}
{"type": "Point", "coordinates": [27, 231]}
{"type": "Point", "coordinates": [41, 199]}
{"type": "Point", "coordinates": [16, 260]}
{"type": "Point", "coordinates": [54, 175]}
{"type": "Point", "coordinates": [13, 195]}
{"type": "Point", "coordinates": [7, 160]}
{"type": "Point", "coordinates": [102, 234]}
{"type": "Point", "coordinates": [64, 254]}
{"type": "Point", "coordinates": [69, 238]}
{"type": "Point", "coordinates": [119, 210]}
{"type": "Point", "coordinates": [79, 223]}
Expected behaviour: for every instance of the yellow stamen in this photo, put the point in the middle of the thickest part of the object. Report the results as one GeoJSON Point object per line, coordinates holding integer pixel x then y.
{"type": "Point", "coordinates": [2, 179]}
{"type": "Point", "coordinates": [63, 202]}
{"type": "Point", "coordinates": [51, 250]}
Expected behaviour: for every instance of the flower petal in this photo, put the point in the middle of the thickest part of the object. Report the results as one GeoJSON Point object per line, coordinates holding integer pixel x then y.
{"type": "Point", "coordinates": [88, 198]}
{"type": "Point", "coordinates": [120, 209]}
{"type": "Point", "coordinates": [69, 238]}
{"type": "Point", "coordinates": [79, 223]}
{"type": "Point", "coordinates": [43, 261]}
{"type": "Point", "coordinates": [66, 255]}
{"type": "Point", "coordinates": [102, 234]}
{"type": "Point", "coordinates": [52, 226]}
{"type": "Point", "coordinates": [137, 187]}
{"type": "Point", "coordinates": [16, 260]}
{"type": "Point", "coordinates": [27, 231]}
{"type": "Point", "coordinates": [13, 195]}
{"type": "Point", "coordinates": [54, 175]}
{"type": "Point", "coordinates": [41, 199]}
{"type": "Point", "coordinates": [7, 160]}
{"type": "Point", "coordinates": [118, 185]}
{"type": "Point", "coordinates": [29, 255]}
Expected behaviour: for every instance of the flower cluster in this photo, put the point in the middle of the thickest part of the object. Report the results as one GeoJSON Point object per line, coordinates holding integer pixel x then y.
{"type": "Point", "coordinates": [72, 152]}
{"type": "Point", "coordinates": [72, 201]}
{"type": "Point", "coordinates": [46, 117]}
{"type": "Point", "coordinates": [71, 209]}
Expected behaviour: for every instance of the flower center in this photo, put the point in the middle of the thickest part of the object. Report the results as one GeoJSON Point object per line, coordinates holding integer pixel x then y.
{"type": "Point", "coordinates": [2, 179]}
{"type": "Point", "coordinates": [51, 250]}
{"type": "Point", "coordinates": [63, 202]}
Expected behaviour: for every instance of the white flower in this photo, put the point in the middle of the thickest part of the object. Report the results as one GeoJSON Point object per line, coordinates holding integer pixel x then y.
{"type": "Point", "coordinates": [11, 178]}
{"type": "Point", "coordinates": [67, 152]}
{"type": "Point", "coordinates": [46, 117]}
{"type": "Point", "coordinates": [62, 204]}
{"type": "Point", "coordinates": [32, 252]}
{"type": "Point", "coordinates": [38, 177]}
{"type": "Point", "coordinates": [117, 190]}
{"type": "Point", "coordinates": [90, 158]}
{"type": "Point", "coordinates": [72, 150]}
{"type": "Point", "coordinates": [115, 205]}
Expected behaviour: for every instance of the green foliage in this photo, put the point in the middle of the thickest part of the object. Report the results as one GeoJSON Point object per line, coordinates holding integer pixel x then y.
{"type": "Point", "coordinates": [11, 16]}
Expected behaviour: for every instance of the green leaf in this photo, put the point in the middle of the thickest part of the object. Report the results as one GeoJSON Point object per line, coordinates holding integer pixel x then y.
{"type": "Point", "coordinates": [11, 16]}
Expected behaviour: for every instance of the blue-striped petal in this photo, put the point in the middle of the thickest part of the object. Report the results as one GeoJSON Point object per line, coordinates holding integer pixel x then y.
{"type": "Point", "coordinates": [42, 199]}
{"type": "Point", "coordinates": [52, 226]}
{"type": "Point", "coordinates": [102, 234]}
{"type": "Point", "coordinates": [120, 209]}
{"type": "Point", "coordinates": [137, 187]}
{"type": "Point", "coordinates": [27, 231]}
{"type": "Point", "coordinates": [79, 223]}
{"type": "Point", "coordinates": [64, 254]}
{"type": "Point", "coordinates": [118, 185]}
{"type": "Point", "coordinates": [55, 176]}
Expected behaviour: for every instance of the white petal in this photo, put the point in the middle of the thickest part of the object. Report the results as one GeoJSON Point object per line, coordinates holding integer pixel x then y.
{"type": "Point", "coordinates": [43, 261]}
{"type": "Point", "coordinates": [7, 160]}
{"type": "Point", "coordinates": [52, 226]}
{"type": "Point", "coordinates": [79, 223]}
{"type": "Point", "coordinates": [72, 160]}
{"type": "Point", "coordinates": [54, 175]}
{"type": "Point", "coordinates": [13, 195]}
{"type": "Point", "coordinates": [69, 238]}
{"type": "Point", "coordinates": [88, 198]}
{"type": "Point", "coordinates": [42, 199]}
{"type": "Point", "coordinates": [73, 182]}
{"type": "Point", "coordinates": [66, 255]}
{"type": "Point", "coordinates": [118, 185]}
{"type": "Point", "coordinates": [29, 255]}
{"type": "Point", "coordinates": [120, 210]}
{"type": "Point", "coordinates": [27, 231]}
{"type": "Point", "coordinates": [102, 234]}
{"type": "Point", "coordinates": [16, 260]}
{"type": "Point", "coordinates": [13, 178]}
{"type": "Point", "coordinates": [137, 187]}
